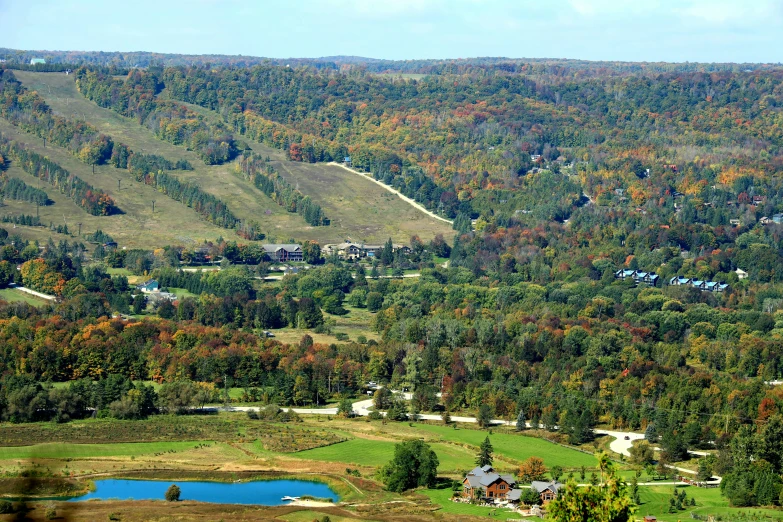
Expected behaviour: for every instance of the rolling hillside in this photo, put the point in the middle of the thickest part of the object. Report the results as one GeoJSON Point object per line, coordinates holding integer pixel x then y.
{"type": "Point", "coordinates": [359, 209]}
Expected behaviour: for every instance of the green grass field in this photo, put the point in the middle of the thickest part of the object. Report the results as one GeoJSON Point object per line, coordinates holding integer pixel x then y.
{"type": "Point", "coordinates": [11, 295]}
{"type": "Point", "coordinates": [517, 447]}
{"type": "Point", "coordinates": [364, 452]}
{"type": "Point", "coordinates": [442, 497]}
{"type": "Point", "coordinates": [64, 450]}
{"type": "Point", "coordinates": [358, 208]}
{"type": "Point", "coordinates": [655, 501]}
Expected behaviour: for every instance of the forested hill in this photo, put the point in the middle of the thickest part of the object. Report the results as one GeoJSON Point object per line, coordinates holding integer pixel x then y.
{"type": "Point", "coordinates": [420, 66]}
{"type": "Point", "coordinates": [474, 143]}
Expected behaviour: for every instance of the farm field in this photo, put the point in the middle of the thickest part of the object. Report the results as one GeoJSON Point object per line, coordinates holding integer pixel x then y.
{"type": "Point", "coordinates": [358, 209]}
{"type": "Point", "coordinates": [365, 452]}
{"type": "Point", "coordinates": [355, 323]}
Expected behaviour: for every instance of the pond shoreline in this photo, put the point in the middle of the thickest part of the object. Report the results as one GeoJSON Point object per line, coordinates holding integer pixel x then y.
{"type": "Point", "coordinates": [67, 488]}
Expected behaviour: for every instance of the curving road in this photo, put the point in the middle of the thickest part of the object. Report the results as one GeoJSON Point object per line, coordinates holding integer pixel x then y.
{"type": "Point", "coordinates": [622, 443]}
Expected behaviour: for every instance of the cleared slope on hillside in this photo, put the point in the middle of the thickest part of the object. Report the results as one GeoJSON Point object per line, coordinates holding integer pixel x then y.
{"type": "Point", "coordinates": [136, 226]}
{"type": "Point", "coordinates": [359, 209]}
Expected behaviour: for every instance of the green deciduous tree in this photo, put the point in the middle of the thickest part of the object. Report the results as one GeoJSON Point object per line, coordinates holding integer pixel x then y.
{"type": "Point", "coordinates": [414, 465]}
{"type": "Point", "coordinates": [484, 415]}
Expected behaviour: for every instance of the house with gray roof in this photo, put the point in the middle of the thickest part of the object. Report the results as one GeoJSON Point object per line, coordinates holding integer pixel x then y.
{"type": "Point", "coordinates": [484, 483]}
{"type": "Point", "coordinates": [548, 491]}
{"type": "Point", "coordinates": [284, 252]}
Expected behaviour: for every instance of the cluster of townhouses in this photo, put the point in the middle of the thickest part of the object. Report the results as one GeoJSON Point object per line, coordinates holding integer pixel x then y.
{"type": "Point", "coordinates": [651, 278]}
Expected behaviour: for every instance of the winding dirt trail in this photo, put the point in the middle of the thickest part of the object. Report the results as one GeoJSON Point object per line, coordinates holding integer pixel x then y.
{"type": "Point", "coordinates": [402, 196]}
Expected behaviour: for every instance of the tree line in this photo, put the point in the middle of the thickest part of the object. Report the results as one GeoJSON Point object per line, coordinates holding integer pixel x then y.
{"type": "Point", "coordinates": [92, 200]}
{"type": "Point", "coordinates": [267, 180]}
{"type": "Point", "coordinates": [17, 189]}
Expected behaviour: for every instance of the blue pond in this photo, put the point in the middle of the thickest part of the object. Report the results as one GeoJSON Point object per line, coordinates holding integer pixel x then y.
{"type": "Point", "coordinates": [259, 492]}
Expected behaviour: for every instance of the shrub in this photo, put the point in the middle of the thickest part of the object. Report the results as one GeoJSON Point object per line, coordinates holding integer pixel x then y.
{"type": "Point", "coordinates": [172, 494]}
{"type": "Point", "coordinates": [6, 507]}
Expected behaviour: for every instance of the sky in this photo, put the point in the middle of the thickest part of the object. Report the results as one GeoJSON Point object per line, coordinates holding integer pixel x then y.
{"type": "Point", "coordinates": [627, 30]}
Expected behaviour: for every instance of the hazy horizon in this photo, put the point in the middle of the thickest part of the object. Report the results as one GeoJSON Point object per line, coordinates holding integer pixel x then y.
{"type": "Point", "coordinates": [594, 30]}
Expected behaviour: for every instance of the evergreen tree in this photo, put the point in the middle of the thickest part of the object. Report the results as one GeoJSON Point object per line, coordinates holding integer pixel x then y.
{"type": "Point", "coordinates": [484, 457]}
{"type": "Point", "coordinates": [521, 420]}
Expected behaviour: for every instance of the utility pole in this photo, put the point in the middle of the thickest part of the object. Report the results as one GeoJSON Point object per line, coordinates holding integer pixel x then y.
{"type": "Point", "coordinates": [153, 206]}
{"type": "Point", "coordinates": [80, 229]}
{"type": "Point", "coordinates": [44, 142]}
{"type": "Point", "coordinates": [119, 180]}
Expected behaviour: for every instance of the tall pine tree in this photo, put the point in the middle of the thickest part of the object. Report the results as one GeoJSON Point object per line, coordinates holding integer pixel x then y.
{"type": "Point", "coordinates": [484, 457]}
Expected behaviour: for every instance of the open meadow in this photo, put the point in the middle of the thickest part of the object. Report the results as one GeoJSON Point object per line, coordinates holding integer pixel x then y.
{"type": "Point", "coordinates": [230, 446]}
{"type": "Point", "coordinates": [358, 209]}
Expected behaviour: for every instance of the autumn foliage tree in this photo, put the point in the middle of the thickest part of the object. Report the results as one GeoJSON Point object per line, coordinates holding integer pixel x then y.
{"type": "Point", "coordinates": [532, 469]}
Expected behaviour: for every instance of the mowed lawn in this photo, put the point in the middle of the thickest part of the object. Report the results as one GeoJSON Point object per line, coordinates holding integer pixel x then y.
{"type": "Point", "coordinates": [365, 452]}
{"type": "Point", "coordinates": [64, 450]}
{"type": "Point", "coordinates": [442, 497]}
{"type": "Point", "coordinates": [655, 501]}
{"type": "Point", "coordinates": [517, 447]}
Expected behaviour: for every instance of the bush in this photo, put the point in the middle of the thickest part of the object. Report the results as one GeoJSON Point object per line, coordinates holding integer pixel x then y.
{"type": "Point", "coordinates": [173, 493]}
{"type": "Point", "coordinates": [252, 414]}
{"type": "Point", "coordinates": [6, 507]}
